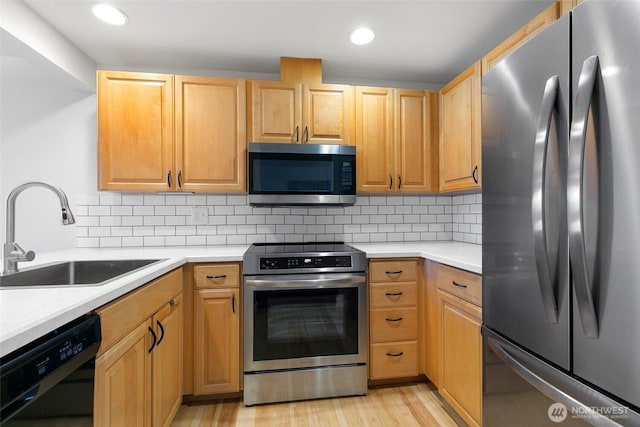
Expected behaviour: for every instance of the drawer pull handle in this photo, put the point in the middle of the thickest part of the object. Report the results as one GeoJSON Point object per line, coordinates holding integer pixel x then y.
{"type": "Point", "coordinates": [394, 272]}
{"type": "Point", "coordinates": [173, 304]}
{"type": "Point", "coordinates": [460, 285]}
{"type": "Point", "coordinates": [396, 354]}
{"type": "Point", "coordinates": [221, 276]}
{"type": "Point", "coordinates": [397, 319]}
{"type": "Point", "coordinates": [393, 294]}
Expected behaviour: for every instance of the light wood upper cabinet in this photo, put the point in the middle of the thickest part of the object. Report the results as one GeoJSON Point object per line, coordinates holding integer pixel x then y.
{"type": "Point", "coordinates": [290, 112]}
{"type": "Point", "coordinates": [210, 134]}
{"type": "Point", "coordinates": [135, 130]}
{"type": "Point", "coordinates": [148, 142]}
{"type": "Point", "coordinates": [416, 133]}
{"type": "Point", "coordinates": [274, 111]}
{"type": "Point", "coordinates": [524, 33]}
{"type": "Point", "coordinates": [395, 134]}
{"type": "Point", "coordinates": [460, 131]}
{"type": "Point", "coordinates": [375, 150]}
{"type": "Point", "coordinates": [327, 114]}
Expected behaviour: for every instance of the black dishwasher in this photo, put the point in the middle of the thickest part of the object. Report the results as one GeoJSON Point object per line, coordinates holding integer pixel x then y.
{"type": "Point", "coordinates": [52, 378]}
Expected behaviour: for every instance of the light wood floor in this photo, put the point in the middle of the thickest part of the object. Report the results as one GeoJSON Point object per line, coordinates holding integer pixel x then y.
{"type": "Point", "coordinates": [410, 405]}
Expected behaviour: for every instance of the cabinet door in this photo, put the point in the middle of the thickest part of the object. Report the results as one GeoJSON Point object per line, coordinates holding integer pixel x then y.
{"type": "Point", "coordinates": [210, 134]}
{"type": "Point", "coordinates": [274, 112]}
{"type": "Point", "coordinates": [167, 363]}
{"type": "Point", "coordinates": [135, 131]}
{"type": "Point", "coordinates": [524, 33]}
{"type": "Point", "coordinates": [374, 139]}
{"type": "Point", "coordinates": [327, 114]}
{"type": "Point", "coordinates": [460, 132]}
{"type": "Point", "coordinates": [461, 382]}
{"type": "Point", "coordinates": [414, 153]}
{"type": "Point", "coordinates": [216, 341]}
{"type": "Point", "coordinates": [122, 382]}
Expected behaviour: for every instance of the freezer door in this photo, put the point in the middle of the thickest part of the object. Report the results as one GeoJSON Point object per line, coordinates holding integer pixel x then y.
{"type": "Point", "coordinates": [522, 390]}
{"type": "Point", "coordinates": [604, 196]}
{"type": "Point", "coordinates": [525, 110]}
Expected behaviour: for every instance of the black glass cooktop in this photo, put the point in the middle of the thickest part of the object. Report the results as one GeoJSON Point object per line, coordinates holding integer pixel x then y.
{"type": "Point", "coordinates": [298, 248]}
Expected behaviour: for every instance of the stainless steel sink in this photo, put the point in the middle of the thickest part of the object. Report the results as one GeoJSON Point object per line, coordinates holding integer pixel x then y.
{"type": "Point", "coordinates": [75, 273]}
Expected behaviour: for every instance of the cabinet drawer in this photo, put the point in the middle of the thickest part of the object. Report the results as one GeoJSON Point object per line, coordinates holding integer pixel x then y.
{"type": "Point", "coordinates": [399, 324]}
{"type": "Point", "coordinates": [394, 360]}
{"type": "Point", "coordinates": [393, 271]}
{"type": "Point", "coordinates": [393, 294]}
{"type": "Point", "coordinates": [463, 284]}
{"type": "Point", "coordinates": [124, 314]}
{"type": "Point", "coordinates": [216, 276]}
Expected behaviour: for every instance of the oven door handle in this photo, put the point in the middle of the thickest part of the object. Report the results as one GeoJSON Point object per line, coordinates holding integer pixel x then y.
{"type": "Point", "coordinates": [295, 281]}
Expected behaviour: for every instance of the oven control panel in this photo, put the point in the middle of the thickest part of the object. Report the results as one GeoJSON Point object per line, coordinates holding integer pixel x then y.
{"type": "Point", "coordinates": [288, 263]}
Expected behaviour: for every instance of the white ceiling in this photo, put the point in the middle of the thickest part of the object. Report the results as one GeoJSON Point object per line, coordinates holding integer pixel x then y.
{"type": "Point", "coordinates": [425, 42]}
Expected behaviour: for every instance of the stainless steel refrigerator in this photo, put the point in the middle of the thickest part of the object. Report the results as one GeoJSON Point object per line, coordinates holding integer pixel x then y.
{"type": "Point", "coordinates": [561, 224]}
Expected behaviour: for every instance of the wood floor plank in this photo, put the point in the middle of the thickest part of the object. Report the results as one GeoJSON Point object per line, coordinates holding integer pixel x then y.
{"type": "Point", "coordinates": [412, 405]}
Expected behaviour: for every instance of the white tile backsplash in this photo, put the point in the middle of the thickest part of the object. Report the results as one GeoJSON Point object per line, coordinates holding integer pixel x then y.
{"type": "Point", "coordinates": [125, 220]}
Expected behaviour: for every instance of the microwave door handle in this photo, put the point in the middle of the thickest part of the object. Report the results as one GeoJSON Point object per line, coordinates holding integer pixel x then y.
{"type": "Point", "coordinates": [537, 200]}
{"type": "Point", "coordinates": [577, 249]}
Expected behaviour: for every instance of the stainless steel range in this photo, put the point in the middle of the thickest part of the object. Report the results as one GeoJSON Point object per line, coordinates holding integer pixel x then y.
{"type": "Point", "coordinates": [305, 322]}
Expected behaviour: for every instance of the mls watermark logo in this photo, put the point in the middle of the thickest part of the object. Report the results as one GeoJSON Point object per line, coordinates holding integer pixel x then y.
{"type": "Point", "coordinates": [557, 412]}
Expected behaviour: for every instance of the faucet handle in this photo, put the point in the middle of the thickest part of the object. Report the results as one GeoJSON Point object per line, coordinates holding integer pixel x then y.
{"type": "Point", "coordinates": [21, 255]}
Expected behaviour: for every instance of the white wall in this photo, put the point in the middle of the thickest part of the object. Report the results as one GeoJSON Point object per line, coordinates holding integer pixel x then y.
{"type": "Point", "coordinates": [47, 133]}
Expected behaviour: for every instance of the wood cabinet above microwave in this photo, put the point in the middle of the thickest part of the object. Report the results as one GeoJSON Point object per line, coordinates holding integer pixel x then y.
{"type": "Point", "coordinates": [290, 112]}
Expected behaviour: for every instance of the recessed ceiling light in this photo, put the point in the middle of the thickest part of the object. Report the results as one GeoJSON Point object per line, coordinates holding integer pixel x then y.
{"type": "Point", "coordinates": [362, 35]}
{"type": "Point", "coordinates": [109, 14]}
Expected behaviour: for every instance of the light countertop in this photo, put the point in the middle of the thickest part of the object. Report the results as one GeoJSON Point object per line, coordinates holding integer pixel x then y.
{"type": "Point", "coordinates": [29, 313]}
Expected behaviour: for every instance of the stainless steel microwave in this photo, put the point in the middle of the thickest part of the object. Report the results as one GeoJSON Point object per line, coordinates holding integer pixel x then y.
{"type": "Point", "coordinates": [301, 174]}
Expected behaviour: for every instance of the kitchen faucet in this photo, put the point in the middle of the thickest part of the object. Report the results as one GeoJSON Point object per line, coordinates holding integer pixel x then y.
{"type": "Point", "coordinates": [13, 253]}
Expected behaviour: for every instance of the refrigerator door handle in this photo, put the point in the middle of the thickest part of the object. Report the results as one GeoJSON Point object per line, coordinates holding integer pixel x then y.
{"type": "Point", "coordinates": [537, 199]}
{"type": "Point", "coordinates": [577, 249]}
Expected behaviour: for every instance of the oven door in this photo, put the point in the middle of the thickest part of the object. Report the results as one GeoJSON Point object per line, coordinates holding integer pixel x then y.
{"type": "Point", "coordinates": [304, 320]}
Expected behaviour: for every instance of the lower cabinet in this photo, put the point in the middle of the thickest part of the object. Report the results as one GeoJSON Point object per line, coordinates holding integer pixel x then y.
{"type": "Point", "coordinates": [454, 344]}
{"type": "Point", "coordinates": [138, 369]}
{"type": "Point", "coordinates": [393, 318]}
{"type": "Point", "coordinates": [216, 329]}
